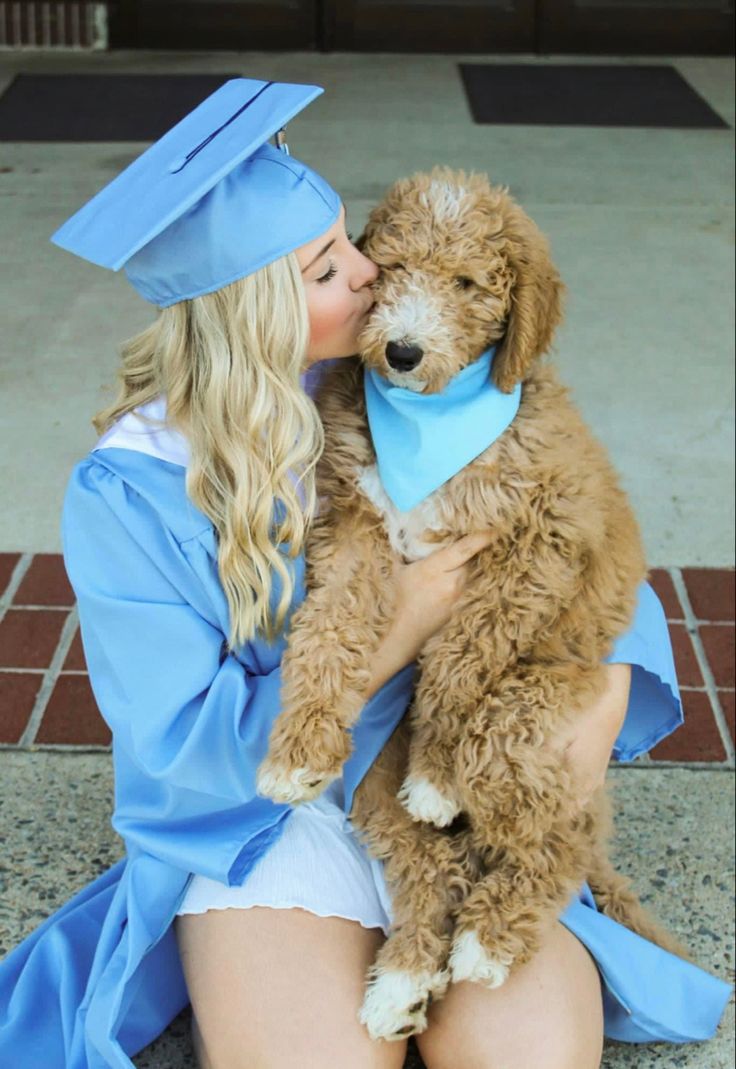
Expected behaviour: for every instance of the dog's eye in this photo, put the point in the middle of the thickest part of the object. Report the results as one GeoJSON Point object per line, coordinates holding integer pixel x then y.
{"type": "Point", "coordinates": [463, 282]}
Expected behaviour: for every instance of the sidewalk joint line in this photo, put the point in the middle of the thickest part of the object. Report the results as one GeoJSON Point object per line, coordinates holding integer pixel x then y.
{"type": "Point", "coordinates": [28, 737]}
{"type": "Point", "coordinates": [12, 670]}
{"type": "Point", "coordinates": [16, 579]}
{"type": "Point", "coordinates": [56, 747]}
{"type": "Point", "coordinates": [710, 683]}
{"type": "Point", "coordinates": [89, 747]}
{"type": "Point", "coordinates": [696, 766]}
{"type": "Point", "coordinates": [23, 671]}
{"type": "Point", "coordinates": [41, 608]}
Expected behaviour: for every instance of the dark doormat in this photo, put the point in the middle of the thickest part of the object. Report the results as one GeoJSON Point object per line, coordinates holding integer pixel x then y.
{"type": "Point", "coordinates": [585, 95]}
{"type": "Point", "coordinates": [94, 107]}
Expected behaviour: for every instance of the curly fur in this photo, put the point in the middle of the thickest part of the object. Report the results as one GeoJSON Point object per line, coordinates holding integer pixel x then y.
{"type": "Point", "coordinates": [463, 267]}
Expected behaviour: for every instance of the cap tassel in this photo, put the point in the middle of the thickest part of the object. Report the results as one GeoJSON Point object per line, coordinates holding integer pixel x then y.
{"type": "Point", "coordinates": [280, 140]}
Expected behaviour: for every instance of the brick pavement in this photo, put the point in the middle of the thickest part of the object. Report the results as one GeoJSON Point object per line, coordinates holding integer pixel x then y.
{"type": "Point", "coordinates": [46, 700]}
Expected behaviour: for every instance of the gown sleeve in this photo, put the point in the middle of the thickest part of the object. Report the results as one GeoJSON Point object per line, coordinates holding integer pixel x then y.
{"type": "Point", "coordinates": [655, 708]}
{"type": "Point", "coordinates": [185, 710]}
{"type": "Point", "coordinates": [190, 720]}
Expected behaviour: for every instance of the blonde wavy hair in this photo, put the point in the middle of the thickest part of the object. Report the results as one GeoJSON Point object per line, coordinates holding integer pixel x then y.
{"type": "Point", "coordinates": [228, 363]}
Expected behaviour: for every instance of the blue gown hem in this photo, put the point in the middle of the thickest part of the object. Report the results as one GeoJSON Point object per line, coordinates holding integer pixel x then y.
{"type": "Point", "coordinates": [660, 700]}
{"type": "Point", "coordinates": [650, 742]}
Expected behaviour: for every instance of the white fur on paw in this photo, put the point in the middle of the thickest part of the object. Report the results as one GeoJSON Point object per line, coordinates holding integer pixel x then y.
{"type": "Point", "coordinates": [469, 961]}
{"type": "Point", "coordinates": [300, 785]}
{"type": "Point", "coordinates": [424, 802]}
{"type": "Point", "coordinates": [395, 1003]}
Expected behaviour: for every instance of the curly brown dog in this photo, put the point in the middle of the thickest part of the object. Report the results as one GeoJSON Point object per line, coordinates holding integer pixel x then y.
{"type": "Point", "coordinates": [464, 268]}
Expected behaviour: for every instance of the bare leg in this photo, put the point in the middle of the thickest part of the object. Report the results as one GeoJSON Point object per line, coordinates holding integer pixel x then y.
{"type": "Point", "coordinates": [274, 988]}
{"type": "Point", "coordinates": [548, 1015]}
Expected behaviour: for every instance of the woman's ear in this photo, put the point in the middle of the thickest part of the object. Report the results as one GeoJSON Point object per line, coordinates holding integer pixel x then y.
{"type": "Point", "coordinates": [536, 298]}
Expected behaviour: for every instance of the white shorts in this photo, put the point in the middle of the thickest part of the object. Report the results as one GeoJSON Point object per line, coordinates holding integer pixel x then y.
{"type": "Point", "coordinates": [318, 864]}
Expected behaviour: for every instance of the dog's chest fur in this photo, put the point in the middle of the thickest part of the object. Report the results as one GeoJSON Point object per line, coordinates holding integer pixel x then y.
{"type": "Point", "coordinates": [406, 530]}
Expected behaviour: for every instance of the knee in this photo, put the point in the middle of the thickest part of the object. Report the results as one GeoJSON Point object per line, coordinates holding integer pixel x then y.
{"type": "Point", "coordinates": [479, 1051]}
{"type": "Point", "coordinates": [481, 1029]}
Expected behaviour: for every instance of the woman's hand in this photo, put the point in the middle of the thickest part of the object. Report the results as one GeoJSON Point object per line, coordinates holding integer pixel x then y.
{"type": "Point", "coordinates": [586, 744]}
{"type": "Point", "coordinates": [426, 594]}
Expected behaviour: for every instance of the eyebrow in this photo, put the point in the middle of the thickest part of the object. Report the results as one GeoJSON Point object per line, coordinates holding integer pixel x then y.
{"type": "Point", "coordinates": [323, 251]}
{"type": "Point", "coordinates": [320, 254]}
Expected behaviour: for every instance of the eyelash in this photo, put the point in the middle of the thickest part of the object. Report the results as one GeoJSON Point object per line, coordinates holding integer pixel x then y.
{"type": "Point", "coordinates": [332, 270]}
{"type": "Point", "coordinates": [330, 274]}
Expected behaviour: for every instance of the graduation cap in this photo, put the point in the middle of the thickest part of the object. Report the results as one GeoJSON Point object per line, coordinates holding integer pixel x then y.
{"type": "Point", "coordinates": [209, 202]}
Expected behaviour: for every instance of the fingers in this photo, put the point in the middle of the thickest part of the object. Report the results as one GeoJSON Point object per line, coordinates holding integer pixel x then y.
{"type": "Point", "coordinates": [465, 548]}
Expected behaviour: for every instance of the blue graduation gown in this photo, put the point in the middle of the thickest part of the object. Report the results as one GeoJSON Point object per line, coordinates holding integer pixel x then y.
{"type": "Point", "coordinates": [101, 978]}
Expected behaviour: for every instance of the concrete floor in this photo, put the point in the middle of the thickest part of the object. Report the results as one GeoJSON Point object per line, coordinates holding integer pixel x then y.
{"type": "Point", "coordinates": [641, 224]}
{"type": "Point", "coordinates": [674, 838]}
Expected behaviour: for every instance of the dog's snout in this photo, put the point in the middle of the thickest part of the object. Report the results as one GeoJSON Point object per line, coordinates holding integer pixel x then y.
{"type": "Point", "coordinates": [403, 357]}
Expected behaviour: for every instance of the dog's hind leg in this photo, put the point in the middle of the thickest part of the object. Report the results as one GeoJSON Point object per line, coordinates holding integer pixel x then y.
{"type": "Point", "coordinates": [501, 922]}
{"type": "Point", "coordinates": [428, 873]}
{"type": "Point", "coordinates": [523, 807]}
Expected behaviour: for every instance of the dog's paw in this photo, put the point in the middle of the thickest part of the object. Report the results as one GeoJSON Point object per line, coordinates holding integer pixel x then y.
{"type": "Point", "coordinates": [290, 786]}
{"type": "Point", "coordinates": [424, 802]}
{"type": "Point", "coordinates": [396, 1002]}
{"type": "Point", "coordinates": [469, 961]}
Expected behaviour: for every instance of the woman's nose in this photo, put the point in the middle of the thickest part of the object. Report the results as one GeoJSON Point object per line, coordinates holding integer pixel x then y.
{"type": "Point", "coordinates": [370, 270]}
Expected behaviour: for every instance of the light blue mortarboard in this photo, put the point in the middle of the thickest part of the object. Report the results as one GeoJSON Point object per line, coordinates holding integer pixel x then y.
{"type": "Point", "coordinates": [209, 202]}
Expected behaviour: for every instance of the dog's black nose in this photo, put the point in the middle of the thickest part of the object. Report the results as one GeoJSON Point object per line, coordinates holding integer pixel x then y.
{"type": "Point", "coordinates": [403, 357]}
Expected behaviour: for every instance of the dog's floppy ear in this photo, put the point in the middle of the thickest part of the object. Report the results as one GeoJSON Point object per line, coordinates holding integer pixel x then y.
{"type": "Point", "coordinates": [536, 298]}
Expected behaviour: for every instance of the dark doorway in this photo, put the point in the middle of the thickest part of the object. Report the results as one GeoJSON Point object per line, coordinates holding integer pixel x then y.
{"type": "Point", "coordinates": [675, 27]}
{"type": "Point", "coordinates": [681, 27]}
{"type": "Point", "coordinates": [430, 25]}
{"type": "Point", "coordinates": [238, 25]}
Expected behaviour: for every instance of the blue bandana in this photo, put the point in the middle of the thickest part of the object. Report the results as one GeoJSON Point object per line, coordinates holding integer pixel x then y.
{"type": "Point", "coordinates": [422, 441]}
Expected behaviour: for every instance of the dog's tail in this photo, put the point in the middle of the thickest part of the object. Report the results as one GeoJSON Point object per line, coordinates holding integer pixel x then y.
{"type": "Point", "coordinates": [617, 899]}
{"type": "Point", "coordinates": [614, 893]}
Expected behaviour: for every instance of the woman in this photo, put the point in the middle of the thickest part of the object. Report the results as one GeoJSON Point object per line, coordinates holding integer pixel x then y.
{"type": "Point", "coordinates": [183, 533]}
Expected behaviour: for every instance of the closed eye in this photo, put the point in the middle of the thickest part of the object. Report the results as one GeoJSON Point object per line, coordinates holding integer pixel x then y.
{"type": "Point", "coordinates": [332, 270]}
{"type": "Point", "coordinates": [464, 282]}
